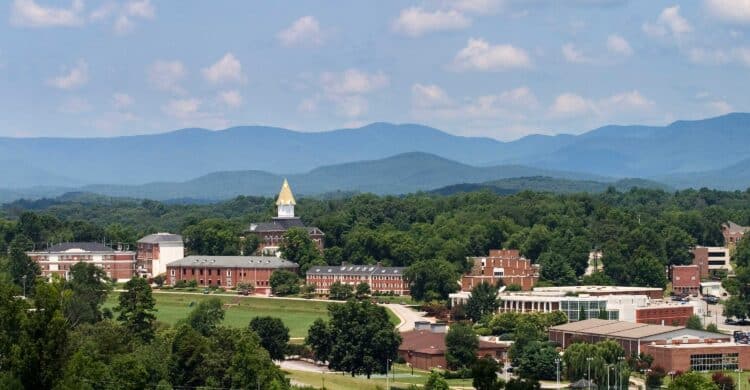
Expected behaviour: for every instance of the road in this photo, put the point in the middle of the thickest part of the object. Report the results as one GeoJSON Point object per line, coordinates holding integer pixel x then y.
{"type": "Point", "coordinates": [407, 316]}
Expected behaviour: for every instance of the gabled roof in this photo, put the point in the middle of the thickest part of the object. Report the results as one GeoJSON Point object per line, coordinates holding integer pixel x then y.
{"type": "Point", "coordinates": [285, 195]}
{"type": "Point", "coordinates": [735, 228]}
{"type": "Point", "coordinates": [161, 237]}
{"type": "Point", "coordinates": [200, 261]}
{"type": "Point", "coordinates": [356, 270]}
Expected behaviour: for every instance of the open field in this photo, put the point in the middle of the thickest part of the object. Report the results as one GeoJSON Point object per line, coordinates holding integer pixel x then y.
{"type": "Point", "coordinates": [297, 315]}
{"type": "Point", "coordinates": [402, 379]}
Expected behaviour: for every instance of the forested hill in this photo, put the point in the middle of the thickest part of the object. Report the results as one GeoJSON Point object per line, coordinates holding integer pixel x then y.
{"type": "Point", "coordinates": [549, 184]}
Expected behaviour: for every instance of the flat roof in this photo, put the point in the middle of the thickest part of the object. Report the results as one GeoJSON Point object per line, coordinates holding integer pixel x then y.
{"type": "Point", "coordinates": [725, 344]}
{"type": "Point", "coordinates": [594, 289]}
{"type": "Point", "coordinates": [233, 262]}
{"type": "Point", "coordinates": [613, 328]}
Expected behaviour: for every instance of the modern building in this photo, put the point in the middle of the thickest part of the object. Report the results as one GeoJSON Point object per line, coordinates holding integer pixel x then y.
{"type": "Point", "coordinates": [271, 234]}
{"type": "Point", "coordinates": [119, 265]}
{"type": "Point", "coordinates": [711, 258]}
{"type": "Point", "coordinates": [155, 251]}
{"type": "Point", "coordinates": [381, 279]}
{"type": "Point", "coordinates": [686, 279]}
{"type": "Point", "coordinates": [502, 265]}
{"type": "Point", "coordinates": [733, 233]}
{"type": "Point", "coordinates": [651, 292]}
{"type": "Point", "coordinates": [424, 347]}
{"type": "Point", "coordinates": [228, 271]}
{"type": "Point", "coordinates": [673, 348]}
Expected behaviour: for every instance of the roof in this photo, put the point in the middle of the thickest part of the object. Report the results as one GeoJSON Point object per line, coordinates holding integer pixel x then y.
{"type": "Point", "coordinates": [433, 343]}
{"type": "Point", "coordinates": [617, 329]}
{"type": "Point", "coordinates": [281, 225]}
{"type": "Point", "coordinates": [356, 270]}
{"type": "Point", "coordinates": [157, 238]}
{"type": "Point", "coordinates": [80, 246]}
{"type": "Point", "coordinates": [720, 344]}
{"type": "Point", "coordinates": [233, 262]}
{"type": "Point", "coordinates": [595, 289]}
{"type": "Point", "coordinates": [285, 195]}
{"type": "Point", "coordinates": [735, 228]}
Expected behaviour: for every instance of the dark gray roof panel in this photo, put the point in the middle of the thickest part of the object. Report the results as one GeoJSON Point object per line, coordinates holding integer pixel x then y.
{"type": "Point", "coordinates": [161, 237]}
{"type": "Point", "coordinates": [233, 262]}
{"type": "Point", "coordinates": [356, 270]}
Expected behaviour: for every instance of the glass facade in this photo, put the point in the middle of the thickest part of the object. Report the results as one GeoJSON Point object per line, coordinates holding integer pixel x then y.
{"type": "Point", "coordinates": [572, 308]}
{"type": "Point", "coordinates": [714, 361]}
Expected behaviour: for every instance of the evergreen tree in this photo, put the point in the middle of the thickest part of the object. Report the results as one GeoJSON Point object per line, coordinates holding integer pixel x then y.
{"type": "Point", "coordinates": [137, 309]}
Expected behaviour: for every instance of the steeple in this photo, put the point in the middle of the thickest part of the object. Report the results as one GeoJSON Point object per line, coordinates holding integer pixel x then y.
{"type": "Point", "coordinates": [285, 202]}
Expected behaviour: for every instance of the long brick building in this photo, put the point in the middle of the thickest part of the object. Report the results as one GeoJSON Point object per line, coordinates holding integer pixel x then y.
{"type": "Point", "coordinates": [119, 265]}
{"type": "Point", "coordinates": [381, 279]}
{"type": "Point", "coordinates": [228, 271]}
{"type": "Point", "coordinates": [506, 265]}
{"type": "Point", "coordinates": [271, 234]}
{"type": "Point", "coordinates": [733, 233]}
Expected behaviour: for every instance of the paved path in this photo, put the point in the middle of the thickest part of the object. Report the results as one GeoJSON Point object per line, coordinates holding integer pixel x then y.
{"type": "Point", "coordinates": [407, 316]}
{"type": "Point", "coordinates": [299, 365]}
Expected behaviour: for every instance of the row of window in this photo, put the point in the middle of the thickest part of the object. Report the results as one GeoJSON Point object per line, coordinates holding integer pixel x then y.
{"type": "Point", "coordinates": [714, 361]}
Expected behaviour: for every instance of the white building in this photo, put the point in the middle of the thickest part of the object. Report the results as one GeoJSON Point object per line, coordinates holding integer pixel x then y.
{"type": "Point", "coordinates": [157, 250]}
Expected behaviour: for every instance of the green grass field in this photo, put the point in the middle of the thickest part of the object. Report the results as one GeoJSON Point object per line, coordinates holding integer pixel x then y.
{"type": "Point", "coordinates": [402, 379]}
{"type": "Point", "coordinates": [297, 315]}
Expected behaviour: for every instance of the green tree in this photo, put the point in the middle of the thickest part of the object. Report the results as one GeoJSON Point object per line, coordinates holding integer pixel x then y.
{"type": "Point", "coordinates": [23, 271]}
{"type": "Point", "coordinates": [284, 283]}
{"type": "Point", "coordinates": [340, 291]}
{"type": "Point", "coordinates": [555, 268]}
{"type": "Point", "coordinates": [189, 349]}
{"type": "Point", "coordinates": [274, 335]}
{"type": "Point", "coordinates": [432, 279]}
{"type": "Point", "coordinates": [694, 322]}
{"type": "Point", "coordinates": [212, 237]}
{"type": "Point", "coordinates": [359, 338]}
{"type": "Point", "coordinates": [299, 248]}
{"type": "Point", "coordinates": [692, 381]}
{"type": "Point", "coordinates": [483, 302]}
{"type": "Point", "coordinates": [678, 244]}
{"type": "Point", "coordinates": [435, 381]}
{"type": "Point", "coordinates": [522, 384]}
{"type": "Point", "coordinates": [251, 367]}
{"type": "Point", "coordinates": [206, 316]}
{"type": "Point", "coordinates": [89, 287]}
{"type": "Point", "coordinates": [484, 371]}
{"type": "Point", "coordinates": [537, 361]}
{"type": "Point", "coordinates": [735, 307]}
{"type": "Point", "coordinates": [250, 245]}
{"type": "Point", "coordinates": [362, 291]}
{"type": "Point", "coordinates": [461, 345]}
{"type": "Point", "coordinates": [136, 307]}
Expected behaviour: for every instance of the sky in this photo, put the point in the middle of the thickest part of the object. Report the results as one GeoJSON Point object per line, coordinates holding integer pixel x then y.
{"type": "Point", "coordinates": [493, 68]}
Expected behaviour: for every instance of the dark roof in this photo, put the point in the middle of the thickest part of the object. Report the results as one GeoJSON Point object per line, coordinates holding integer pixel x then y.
{"type": "Point", "coordinates": [160, 237]}
{"type": "Point", "coordinates": [233, 262]}
{"type": "Point", "coordinates": [281, 225]}
{"type": "Point", "coordinates": [356, 270]}
{"type": "Point", "coordinates": [84, 246]}
{"type": "Point", "coordinates": [433, 343]}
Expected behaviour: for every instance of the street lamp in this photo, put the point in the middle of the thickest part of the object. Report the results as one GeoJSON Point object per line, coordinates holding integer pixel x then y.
{"type": "Point", "coordinates": [588, 375]}
{"type": "Point", "coordinates": [620, 359]}
{"type": "Point", "coordinates": [557, 367]}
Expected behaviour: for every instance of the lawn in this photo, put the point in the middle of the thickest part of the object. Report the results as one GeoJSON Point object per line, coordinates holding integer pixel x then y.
{"type": "Point", "coordinates": [334, 381]}
{"type": "Point", "coordinates": [297, 315]}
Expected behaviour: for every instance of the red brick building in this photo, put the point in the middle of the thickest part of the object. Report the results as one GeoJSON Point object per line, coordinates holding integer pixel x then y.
{"type": "Point", "coordinates": [228, 271]}
{"type": "Point", "coordinates": [58, 259]}
{"type": "Point", "coordinates": [505, 265]}
{"type": "Point", "coordinates": [675, 315]}
{"type": "Point", "coordinates": [155, 251]}
{"type": "Point", "coordinates": [699, 355]}
{"type": "Point", "coordinates": [686, 279]}
{"type": "Point", "coordinates": [424, 347]}
{"type": "Point", "coordinates": [711, 258]}
{"type": "Point", "coordinates": [381, 279]}
{"type": "Point", "coordinates": [733, 233]}
{"type": "Point", "coordinates": [271, 234]}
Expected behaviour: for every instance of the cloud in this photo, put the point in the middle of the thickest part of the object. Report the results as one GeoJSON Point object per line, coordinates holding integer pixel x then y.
{"type": "Point", "coordinates": [568, 105]}
{"type": "Point", "coordinates": [704, 56]}
{"type": "Point", "coordinates": [182, 108]}
{"type": "Point", "coordinates": [416, 21]}
{"type": "Point", "coordinates": [352, 106]}
{"type": "Point", "coordinates": [140, 8]}
{"type": "Point", "coordinates": [477, 6]}
{"type": "Point", "coordinates": [73, 77]}
{"type": "Point", "coordinates": [227, 70]}
{"type": "Point", "coordinates": [626, 101]}
{"type": "Point", "coordinates": [27, 13]}
{"type": "Point", "coordinates": [352, 81]}
{"type": "Point", "coordinates": [430, 101]}
{"type": "Point", "coordinates": [231, 99]}
{"type": "Point", "coordinates": [719, 107]}
{"type": "Point", "coordinates": [429, 96]}
{"type": "Point", "coordinates": [188, 112]}
{"type": "Point", "coordinates": [74, 105]}
{"type": "Point", "coordinates": [732, 11]}
{"type": "Point", "coordinates": [304, 32]}
{"type": "Point", "coordinates": [479, 55]}
{"type": "Point", "coordinates": [122, 100]}
{"type": "Point", "coordinates": [618, 45]}
{"type": "Point", "coordinates": [574, 55]}
{"type": "Point", "coordinates": [669, 22]}
{"type": "Point", "coordinates": [124, 15]}
{"type": "Point", "coordinates": [167, 75]}
{"type": "Point", "coordinates": [308, 105]}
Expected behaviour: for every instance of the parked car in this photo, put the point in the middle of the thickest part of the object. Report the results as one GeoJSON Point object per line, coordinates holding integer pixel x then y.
{"type": "Point", "coordinates": [243, 292]}
{"type": "Point", "coordinates": [711, 299]}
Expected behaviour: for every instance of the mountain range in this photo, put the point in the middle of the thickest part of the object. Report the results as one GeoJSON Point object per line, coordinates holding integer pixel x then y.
{"type": "Point", "coordinates": [380, 158]}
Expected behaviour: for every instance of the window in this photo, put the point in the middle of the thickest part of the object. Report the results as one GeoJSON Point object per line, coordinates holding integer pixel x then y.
{"type": "Point", "coordinates": [714, 361]}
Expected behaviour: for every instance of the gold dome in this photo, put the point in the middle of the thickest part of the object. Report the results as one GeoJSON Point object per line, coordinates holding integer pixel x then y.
{"type": "Point", "coordinates": [285, 195]}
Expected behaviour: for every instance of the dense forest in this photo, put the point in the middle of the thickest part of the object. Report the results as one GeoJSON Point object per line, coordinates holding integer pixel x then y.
{"type": "Point", "coordinates": [639, 231]}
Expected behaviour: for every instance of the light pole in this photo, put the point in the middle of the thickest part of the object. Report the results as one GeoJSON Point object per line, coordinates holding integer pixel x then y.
{"type": "Point", "coordinates": [387, 382]}
{"type": "Point", "coordinates": [588, 375]}
{"type": "Point", "coordinates": [24, 285]}
{"type": "Point", "coordinates": [608, 368]}
{"type": "Point", "coordinates": [619, 371]}
{"type": "Point", "coordinates": [557, 367]}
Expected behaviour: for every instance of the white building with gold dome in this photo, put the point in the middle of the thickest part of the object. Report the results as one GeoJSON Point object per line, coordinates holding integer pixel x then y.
{"type": "Point", "coordinates": [271, 234]}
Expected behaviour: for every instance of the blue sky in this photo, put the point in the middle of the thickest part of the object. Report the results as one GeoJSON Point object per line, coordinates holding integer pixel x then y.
{"type": "Point", "coordinates": [495, 68]}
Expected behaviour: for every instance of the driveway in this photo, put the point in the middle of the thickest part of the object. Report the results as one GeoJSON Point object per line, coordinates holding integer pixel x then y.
{"type": "Point", "coordinates": [407, 316]}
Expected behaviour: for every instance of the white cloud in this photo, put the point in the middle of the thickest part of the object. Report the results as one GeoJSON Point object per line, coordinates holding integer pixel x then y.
{"type": "Point", "coordinates": [305, 32]}
{"type": "Point", "coordinates": [570, 104]}
{"type": "Point", "coordinates": [669, 22]}
{"type": "Point", "coordinates": [167, 75]}
{"type": "Point", "coordinates": [308, 105]}
{"type": "Point", "coordinates": [182, 108]}
{"type": "Point", "coordinates": [351, 106]}
{"type": "Point", "coordinates": [617, 44]}
{"type": "Point", "coordinates": [573, 105]}
{"type": "Point", "coordinates": [188, 112]}
{"type": "Point", "coordinates": [429, 96]}
{"type": "Point", "coordinates": [74, 105]}
{"type": "Point", "coordinates": [122, 100]}
{"type": "Point", "coordinates": [720, 107]}
{"type": "Point", "coordinates": [477, 6]}
{"type": "Point", "coordinates": [228, 69]}
{"type": "Point", "coordinates": [352, 81]}
{"type": "Point", "coordinates": [732, 11]}
{"type": "Point", "coordinates": [73, 77]}
{"type": "Point", "coordinates": [125, 15]}
{"type": "Point", "coordinates": [416, 21]}
{"type": "Point", "coordinates": [739, 55]}
{"type": "Point", "coordinates": [430, 101]}
{"type": "Point", "coordinates": [140, 8]}
{"type": "Point", "coordinates": [231, 99]}
{"type": "Point", "coordinates": [123, 25]}
{"type": "Point", "coordinates": [573, 54]}
{"type": "Point", "coordinates": [481, 56]}
{"type": "Point", "coordinates": [28, 13]}
{"type": "Point", "coordinates": [632, 100]}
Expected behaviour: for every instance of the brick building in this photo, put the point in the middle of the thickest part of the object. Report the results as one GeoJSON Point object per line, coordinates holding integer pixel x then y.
{"type": "Point", "coordinates": [228, 271]}
{"type": "Point", "coordinates": [664, 314]}
{"type": "Point", "coordinates": [155, 251]}
{"type": "Point", "coordinates": [271, 234]}
{"type": "Point", "coordinates": [733, 233]}
{"type": "Point", "coordinates": [119, 265]}
{"type": "Point", "coordinates": [424, 347]}
{"type": "Point", "coordinates": [505, 265]}
{"type": "Point", "coordinates": [381, 279]}
{"type": "Point", "coordinates": [711, 258]}
{"type": "Point", "coordinates": [699, 355]}
{"type": "Point", "coordinates": [686, 279]}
